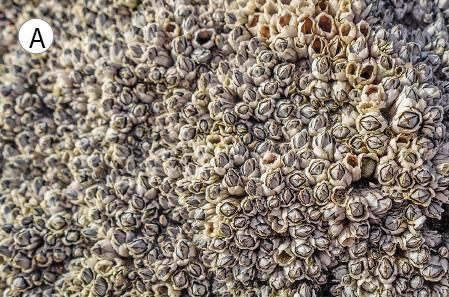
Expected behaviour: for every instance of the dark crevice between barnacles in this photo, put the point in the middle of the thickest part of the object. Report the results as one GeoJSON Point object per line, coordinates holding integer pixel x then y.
{"type": "Point", "coordinates": [439, 225]}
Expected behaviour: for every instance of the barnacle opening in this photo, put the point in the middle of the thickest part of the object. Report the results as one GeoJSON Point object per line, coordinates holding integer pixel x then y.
{"type": "Point", "coordinates": [364, 29]}
{"type": "Point", "coordinates": [345, 29]}
{"type": "Point", "coordinates": [317, 45]}
{"type": "Point", "coordinates": [307, 26]}
{"type": "Point", "coordinates": [170, 28]}
{"type": "Point", "coordinates": [325, 23]}
{"type": "Point", "coordinates": [371, 90]}
{"type": "Point", "coordinates": [323, 5]}
{"type": "Point", "coordinates": [367, 72]}
{"type": "Point", "coordinates": [284, 258]}
{"type": "Point", "coordinates": [265, 31]}
{"type": "Point", "coordinates": [285, 20]}
{"type": "Point", "coordinates": [352, 161]}
{"type": "Point", "coordinates": [368, 166]}
{"type": "Point", "coordinates": [352, 69]}
{"type": "Point", "coordinates": [399, 70]}
{"type": "Point", "coordinates": [254, 21]}
{"type": "Point", "coordinates": [204, 37]}
{"type": "Point", "coordinates": [339, 195]}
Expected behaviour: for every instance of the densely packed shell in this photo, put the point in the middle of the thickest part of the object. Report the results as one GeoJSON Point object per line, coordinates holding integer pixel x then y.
{"type": "Point", "coordinates": [205, 148]}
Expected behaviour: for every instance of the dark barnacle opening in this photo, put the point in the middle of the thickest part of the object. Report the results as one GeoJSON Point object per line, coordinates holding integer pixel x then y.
{"type": "Point", "coordinates": [367, 72]}
{"type": "Point", "coordinates": [325, 24]}
{"type": "Point", "coordinates": [204, 36]}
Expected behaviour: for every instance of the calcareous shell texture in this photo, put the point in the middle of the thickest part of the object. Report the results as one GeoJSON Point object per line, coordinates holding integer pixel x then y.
{"type": "Point", "coordinates": [241, 148]}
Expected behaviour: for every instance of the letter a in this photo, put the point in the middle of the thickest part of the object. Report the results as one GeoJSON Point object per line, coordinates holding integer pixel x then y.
{"type": "Point", "coordinates": [37, 40]}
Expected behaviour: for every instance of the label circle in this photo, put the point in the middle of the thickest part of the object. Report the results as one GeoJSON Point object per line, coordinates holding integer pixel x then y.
{"type": "Point", "coordinates": [35, 36]}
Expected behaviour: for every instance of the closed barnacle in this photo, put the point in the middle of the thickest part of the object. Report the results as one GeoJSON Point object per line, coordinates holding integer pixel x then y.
{"type": "Point", "coordinates": [404, 179]}
{"type": "Point", "coordinates": [267, 58]}
{"type": "Point", "coordinates": [356, 209]}
{"type": "Point", "coordinates": [185, 67]}
{"type": "Point", "coordinates": [246, 239]}
{"type": "Point", "coordinates": [101, 286]}
{"type": "Point", "coordinates": [283, 73]}
{"type": "Point", "coordinates": [322, 192]}
{"type": "Point", "coordinates": [387, 270]}
{"type": "Point", "coordinates": [434, 210]}
{"type": "Point", "coordinates": [296, 180]}
{"type": "Point", "coordinates": [258, 74]}
{"type": "Point", "coordinates": [283, 46]}
{"type": "Point", "coordinates": [406, 121]}
{"type": "Point", "coordinates": [339, 175]}
{"type": "Point", "coordinates": [421, 196]}
{"type": "Point", "coordinates": [323, 145]}
{"type": "Point", "coordinates": [394, 224]}
{"type": "Point", "coordinates": [386, 172]}
{"type": "Point", "coordinates": [237, 35]}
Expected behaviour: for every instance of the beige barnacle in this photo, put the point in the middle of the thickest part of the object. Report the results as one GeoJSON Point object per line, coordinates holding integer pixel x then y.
{"type": "Point", "coordinates": [306, 29]}
{"type": "Point", "coordinates": [347, 32]}
{"type": "Point", "coordinates": [325, 25]}
{"type": "Point", "coordinates": [317, 47]}
{"type": "Point", "coordinates": [407, 118]}
{"type": "Point", "coordinates": [286, 23]}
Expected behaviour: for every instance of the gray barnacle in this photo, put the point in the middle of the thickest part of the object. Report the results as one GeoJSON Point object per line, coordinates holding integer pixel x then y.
{"type": "Point", "coordinates": [284, 47]}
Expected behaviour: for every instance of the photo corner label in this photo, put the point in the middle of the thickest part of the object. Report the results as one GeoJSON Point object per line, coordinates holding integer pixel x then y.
{"type": "Point", "coordinates": [36, 36]}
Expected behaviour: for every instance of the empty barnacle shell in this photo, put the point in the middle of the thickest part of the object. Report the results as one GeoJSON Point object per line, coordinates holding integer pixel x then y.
{"type": "Point", "coordinates": [306, 29]}
{"type": "Point", "coordinates": [325, 26]}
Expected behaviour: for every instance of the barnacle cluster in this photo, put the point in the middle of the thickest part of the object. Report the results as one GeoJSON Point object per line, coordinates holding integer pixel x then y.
{"type": "Point", "coordinates": [240, 148]}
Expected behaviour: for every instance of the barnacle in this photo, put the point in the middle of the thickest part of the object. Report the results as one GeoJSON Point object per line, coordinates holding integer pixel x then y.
{"type": "Point", "coordinates": [207, 148]}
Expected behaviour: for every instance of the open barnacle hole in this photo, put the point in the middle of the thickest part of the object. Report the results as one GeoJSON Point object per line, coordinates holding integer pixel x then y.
{"type": "Point", "coordinates": [399, 70]}
{"type": "Point", "coordinates": [323, 5]}
{"type": "Point", "coordinates": [252, 21]}
{"type": "Point", "coordinates": [368, 167]}
{"type": "Point", "coordinates": [364, 28]}
{"type": "Point", "coordinates": [325, 23]}
{"type": "Point", "coordinates": [284, 258]}
{"type": "Point", "coordinates": [338, 195]}
{"type": "Point", "coordinates": [367, 72]}
{"type": "Point", "coordinates": [306, 26]}
{"type": "Point", "coordinates": [352, 69]}
{"type": "Point", "coordinates": [285, 20]}
{"type": "Point", "coordinates": [318, 45]}
{"type": "Point", "coordinates": [372, 89]}
{"type": "Point", "coordinates": [345, 29]}
{"type": "Point", "coordinates": [204, 38]}
{"type": "Point", "coordinates": [264, 31]}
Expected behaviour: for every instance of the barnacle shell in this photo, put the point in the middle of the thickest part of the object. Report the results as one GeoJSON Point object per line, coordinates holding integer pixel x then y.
{"type": "Point", "coordinates": [258, 148]}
